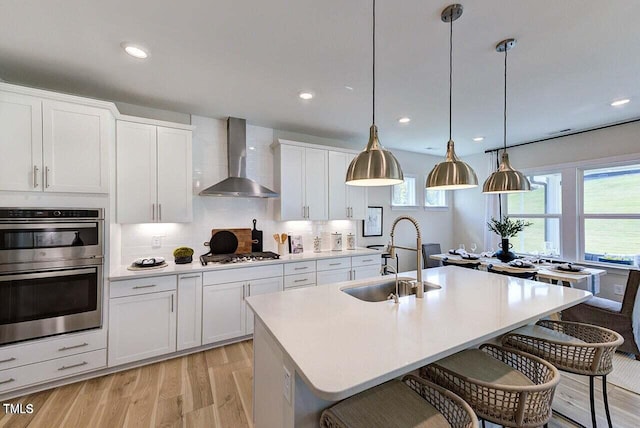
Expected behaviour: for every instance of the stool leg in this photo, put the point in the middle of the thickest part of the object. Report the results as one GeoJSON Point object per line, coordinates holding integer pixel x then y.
{"type": "Point", "coordinates": [483, 424]}
{"type": "Point", "coordinates": [606, 400]}
{"type": "Point", "coordinates": [594, 424]}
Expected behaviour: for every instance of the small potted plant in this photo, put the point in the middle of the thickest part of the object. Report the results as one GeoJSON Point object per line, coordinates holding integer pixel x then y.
{"type": "Point", "coordinates": [506, 228]}
{"type": "Point", "coordinates": [183, 255]}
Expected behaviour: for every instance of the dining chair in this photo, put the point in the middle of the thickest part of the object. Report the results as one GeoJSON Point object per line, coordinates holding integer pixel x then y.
{"type": "Point", "coordinates": [430, 250]}
{"type": "Point", "coordinates": [412, 402]}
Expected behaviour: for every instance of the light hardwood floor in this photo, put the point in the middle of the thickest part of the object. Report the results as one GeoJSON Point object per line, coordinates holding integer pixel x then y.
{"type": "Point", "coordinates": [213, 389]}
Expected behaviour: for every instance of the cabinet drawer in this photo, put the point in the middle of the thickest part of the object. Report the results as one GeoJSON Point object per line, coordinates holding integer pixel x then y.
{"type": "Point", "coordinates": [300, 280]}
{"type": "Point", "coordinates": [373, 259]}
{"type": "Point", "coordinates": [241, 274]}
{"type": "Point", "coordinates": [20, 377]}
{"type": "Point", "coordinates": [299, 267]}
{"type": "Point", "coordinates": [51, 348]}
{"type": "Point", "coordinates": [332, 264]}
{"type": "Point", "coordinates": [132, 287]}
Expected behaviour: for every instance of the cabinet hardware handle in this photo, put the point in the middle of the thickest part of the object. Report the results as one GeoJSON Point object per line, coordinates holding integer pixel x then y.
{"type": "Point", "coordinates": [189, 276]}
{"type": "Point", "coordinates": [301, 268]}
{"type": "Point", "coordinates": [159, 212]}
{"type": "Point", "coordinates": [153, 212]}
{"type": "Point", "coordinates": [144, 286]}
{"type": "Point", "coordinates": [66, 348]}
{"type": "Point", "coordinates": [301, 280]}
{"type": "Point", "coordinates": [368, 260]}
{"type": "Point", "coordinates": [84, 363]}
{"type": "Point", "coordinates": [8, 360]}
{"type": "Point", "coordinates": [335, 264]}
{"type": "Point", "coordinates": [303, 211]}
{"type": "Point", "coordinates": [7, 381]}
{"type": "Point", "coordinates": [172, 303]}
{"type": "Point", "coordinates": [46, 176]}
{"type": "Point", "coordinates": [35, 176]}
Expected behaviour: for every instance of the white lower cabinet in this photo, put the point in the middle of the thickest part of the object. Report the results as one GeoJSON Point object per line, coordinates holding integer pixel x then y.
{"type": "Point", "coordinates": [364, 272]}
{"type": "Point", "coordinates": [223, 311]}
{"type": "Point", "coordinates": [141, 326]}
{"type": "Point", "coordinates": [261, 286]}
{"type": "Point", "coordinates": [333, 276]}
{"type": "Point", "coordinates": [189, 311]}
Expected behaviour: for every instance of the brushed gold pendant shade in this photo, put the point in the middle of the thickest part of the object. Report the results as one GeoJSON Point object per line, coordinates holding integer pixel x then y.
{"type": "Point", "coordinates": [506, 179]}
{"type": "Point", "coordinates": [374, 166]}
{"type": "Point", "coordinates": [452, 173]}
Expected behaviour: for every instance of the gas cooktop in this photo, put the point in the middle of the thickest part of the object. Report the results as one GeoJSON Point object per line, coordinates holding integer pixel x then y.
{"type": "Point", "coordinates": [238, 258]}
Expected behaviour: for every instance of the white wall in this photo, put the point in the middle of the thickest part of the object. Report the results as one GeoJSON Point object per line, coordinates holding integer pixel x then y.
{"type": "Point", "coordinates": [623, 140]}
{"type": "Point", "coordinates": [210, 166]}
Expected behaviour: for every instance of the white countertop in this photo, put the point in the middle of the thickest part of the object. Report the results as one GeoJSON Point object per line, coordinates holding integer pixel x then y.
{"type": "Point", "coordinates": [121, 272]}
{"type": "Point", "coordinates": [341, 345]}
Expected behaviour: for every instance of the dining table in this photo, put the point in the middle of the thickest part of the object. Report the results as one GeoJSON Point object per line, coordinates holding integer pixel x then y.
{"type": "Point", "coordinates": [587, 278]}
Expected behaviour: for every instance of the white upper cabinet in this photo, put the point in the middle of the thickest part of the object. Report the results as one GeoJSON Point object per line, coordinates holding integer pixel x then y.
{"type": "Point", "coordinates": [345, 202]}
{"type": "Point", "coordinates": [53, 146]}
{"type": "Point", "coordinates": [20, 142]}
{"type": "Point", "coordinates": [75, 147]}
{"type": "Point", "coordinates": [301, 174]}
{"type": "Point", "coordinates": [153, 173]}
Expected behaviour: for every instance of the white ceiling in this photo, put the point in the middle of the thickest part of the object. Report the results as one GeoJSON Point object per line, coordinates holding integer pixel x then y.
{"type": "Point", "coordinates": [251, 58]}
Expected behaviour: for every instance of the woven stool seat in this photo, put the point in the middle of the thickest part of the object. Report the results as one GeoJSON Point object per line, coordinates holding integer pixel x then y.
{"type": "Point", "coordinates": [503, 386]}
{"type": "Point", "coordinates": [572, 347]}
{"type": "Point", "coordinates": [413, 402]}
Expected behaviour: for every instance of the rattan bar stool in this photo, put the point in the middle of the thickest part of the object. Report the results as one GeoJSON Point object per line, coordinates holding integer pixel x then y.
{"type": "Point", "coordinates": [503, 386]}
{"type": "Point", "coordinates": [414, 402]}
{"type": "Point", "coordinates": [572, 347]}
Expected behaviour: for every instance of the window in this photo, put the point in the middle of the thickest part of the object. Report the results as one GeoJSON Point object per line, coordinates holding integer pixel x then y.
{"type": "Point", "coordinates": [611, 214]}
{"type": "Point", "coordinates": [404, 194]}
{"type": "Point", "coordinates": [542, 207]}
{"type": "Point", "coordinates": [435, 198]}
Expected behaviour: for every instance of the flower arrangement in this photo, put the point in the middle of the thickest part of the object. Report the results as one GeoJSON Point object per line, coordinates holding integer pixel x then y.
{"type": "Point", "coordinates": [507, 228]}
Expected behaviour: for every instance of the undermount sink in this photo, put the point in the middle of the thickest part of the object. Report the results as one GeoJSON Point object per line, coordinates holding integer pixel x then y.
{"type": "Point", "coordinates": [380, 291]}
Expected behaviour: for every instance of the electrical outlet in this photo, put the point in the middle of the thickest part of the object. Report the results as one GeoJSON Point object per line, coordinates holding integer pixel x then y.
{"type": "Point", "coordinates": [618, 289]}
{"type": "Point", "coordinates": [156, 242]}
{"type": "Point", "coordinates": [286, 384]}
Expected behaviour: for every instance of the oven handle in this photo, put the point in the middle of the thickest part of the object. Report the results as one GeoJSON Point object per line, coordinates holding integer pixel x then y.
{"type": "Point", "coordinates": [48, 274]}
{"type": "Point", "coordinates": [61, 225]}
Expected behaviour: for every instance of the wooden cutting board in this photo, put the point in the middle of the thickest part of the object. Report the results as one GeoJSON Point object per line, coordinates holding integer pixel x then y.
{"type": "Point", "coordinates": [244, 238]}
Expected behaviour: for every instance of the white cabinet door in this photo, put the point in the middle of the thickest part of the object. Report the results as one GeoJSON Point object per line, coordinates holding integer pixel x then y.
{"type": "Point", "coordinates": [316, 184]}
{"type": "Point", "coordinates": [223, 312]}
{"type": "Point", "coordinates": [136, 172]}
{"type": "Point", "coordinates": [75, 147]}
{"type": "Point", "coordinates": [141, 327]}
{"type": "Point", "coordinates": [333, 276]}
{"type": "Point", "coordinates": [292, 182]}
{"type": "Point", "coordinates": [261, 286]}
{"type": "Point", "coordinates": [189, 311]}
{"type": "Point", "coordinates": [338, 208]}
{"type": "Point", "coordinates": [20, 142]}
{"type": "Point", "coordinates": [356, 198]}
{"type": "Point", "coordinates": [364, 272]}
{"type": "Point", "coordinates": [174, 175]}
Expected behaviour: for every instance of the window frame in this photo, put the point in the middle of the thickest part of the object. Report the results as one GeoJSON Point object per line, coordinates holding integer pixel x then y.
{"type": "Point", "coordinates": [447, 199]}
{"type": "Point", "coordinates": [415, 196]}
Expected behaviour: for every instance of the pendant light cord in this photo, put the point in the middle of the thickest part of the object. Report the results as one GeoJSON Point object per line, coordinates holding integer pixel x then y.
{"type": "Point", "coordinates": [506, 49]}
{"type": "Point", "coordinates": [373, 71]}
{"type": "Point", "coordinates": [450, 70]}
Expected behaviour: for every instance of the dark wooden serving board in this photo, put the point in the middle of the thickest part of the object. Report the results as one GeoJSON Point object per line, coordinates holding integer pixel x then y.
{"type": "Point", "coordinates": [244, 238]}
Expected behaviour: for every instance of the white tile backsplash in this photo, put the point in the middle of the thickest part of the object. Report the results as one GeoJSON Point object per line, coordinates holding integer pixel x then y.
{"type": "Point", "coordinates": [210, 167]}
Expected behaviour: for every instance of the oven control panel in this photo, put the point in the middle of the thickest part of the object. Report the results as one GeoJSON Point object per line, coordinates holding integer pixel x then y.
{"type": "Point", "coordinates": [36, 213]}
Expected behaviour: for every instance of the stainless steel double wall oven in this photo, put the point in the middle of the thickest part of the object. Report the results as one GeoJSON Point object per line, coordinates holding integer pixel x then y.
{"type": "Point", "coordinates": [51, 264]}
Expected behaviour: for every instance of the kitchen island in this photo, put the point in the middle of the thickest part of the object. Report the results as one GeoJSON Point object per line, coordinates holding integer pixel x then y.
{"type": "Point", "coordinates": [316, 346]}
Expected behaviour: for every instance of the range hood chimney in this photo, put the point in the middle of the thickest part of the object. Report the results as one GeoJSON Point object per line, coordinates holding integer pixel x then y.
{"type": "Point", "coordinates": [238, 185]}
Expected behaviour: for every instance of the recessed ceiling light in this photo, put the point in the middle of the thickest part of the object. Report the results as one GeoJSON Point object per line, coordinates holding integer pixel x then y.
{"type": "Point", "coordinates": [135, 51]}
{"type": "Point", "coordinates": [620, 102]}
{"type": "Point", "coordinates": [251, 148]}
{"type": "Point", "coordinates": [348, 88]}
{"type": "Point", "coordinates": [404, 119]}
{"type": "Point", "coordinates": [305, 95]}
{"type": "Point", "coordinates": [429, 148]}
{"type": "Point", "coordinates": [478, 139]}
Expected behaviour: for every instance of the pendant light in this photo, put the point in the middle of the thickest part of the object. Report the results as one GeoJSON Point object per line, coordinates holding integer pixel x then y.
{"type": "Point", "coordinates": [452, 173]}
{"type": "Point", "coordinates": [506, 179]}
{"type": "Point", "coordinates": [374, 166]}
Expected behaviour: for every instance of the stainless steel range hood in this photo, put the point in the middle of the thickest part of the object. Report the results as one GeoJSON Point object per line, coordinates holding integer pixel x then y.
{"type": "Point", "coordinates": [238, 185]}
